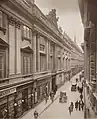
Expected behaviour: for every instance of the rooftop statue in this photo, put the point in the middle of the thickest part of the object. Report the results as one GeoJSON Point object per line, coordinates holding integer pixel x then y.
{"type": "Point", "coordinates": [52, 16]}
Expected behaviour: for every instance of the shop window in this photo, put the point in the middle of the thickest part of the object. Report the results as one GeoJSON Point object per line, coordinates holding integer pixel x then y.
{"type": "Point", "coordinates": [26, 33]}
{"type": "Point", "coordinates": [27, 64]}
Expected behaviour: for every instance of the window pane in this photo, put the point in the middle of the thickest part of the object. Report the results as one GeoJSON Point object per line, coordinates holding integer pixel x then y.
{"type": "Point", "coordinates": [42, 47]}
{"type": "Point", "coordinates": [24, 31]}
{"type": "Point", "coordinates": [4, 20]}
{"type": "Point", "coordinates": [0, 19]}
{"type": "Point", "coordinates": [25, 65]}
{"type": "Point", "coordinates": [29, 65]}
{"type": "Point", "coordinates": [1, 67]}
{"type": "Point", "coordinates": [0, 73]}
{"type": "Point", "coordinates": [42, 62]}
{"type": "Point", "coordinates": [28, 32]}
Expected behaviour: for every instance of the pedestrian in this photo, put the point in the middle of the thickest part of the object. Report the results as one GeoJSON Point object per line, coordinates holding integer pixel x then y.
{"type": "Point", "coordinates": [79, 105]}
{"type": "Point", "coordinates": [76, 105]}
{"type": "Point", "coordinates": [52, 96]}
{"type": "Point", "coordinates": [82, 104]}
{"type": "Point", "coordinates": [35, 114]}
{"type": "Point", "coordinates": [78, 88]}
{"type": "Point", "coordinates": [72, 106]}
{"type": "Point", "coordinates": [45, 97]}
{"type": "Point", "coordinates": [69, 110]}
{"type": "Point", "coordinates": [81, 96]}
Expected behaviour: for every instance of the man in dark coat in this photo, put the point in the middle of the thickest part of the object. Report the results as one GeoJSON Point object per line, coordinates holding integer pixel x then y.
{"type": "Point", "coordinates": [81, 96]}
{"type": "Point", "coordinates": [76, 105]}
{"type": "Point", "coordinates": [79, 105]}
{"type": "Point", "coordinates": [82, 105]}
{"type": "Point", "coordinates": [35, 114]}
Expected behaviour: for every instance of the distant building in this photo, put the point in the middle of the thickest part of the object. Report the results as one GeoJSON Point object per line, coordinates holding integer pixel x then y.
{"type": "Point", "coordinates": [34, 56]}
{"type": "Point", "coordinates": [89, 20]}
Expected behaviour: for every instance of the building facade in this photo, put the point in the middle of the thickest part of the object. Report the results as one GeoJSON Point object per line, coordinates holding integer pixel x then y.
{"type": "Point", "coordinates": [89, 20]}
{"type": "Point", "coordinates": [35, 56]}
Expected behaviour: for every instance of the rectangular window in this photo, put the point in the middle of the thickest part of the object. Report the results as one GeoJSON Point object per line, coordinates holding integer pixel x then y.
{"type": "Point", "coordinates": [3, 19]}
{"type": "Point", "coordinates": [26, 64]}
{"type": "Point", "coordinates": [42, 47]}
{"type": "Point", "coordinates": [42, 44]}
{"type": "Point", "coordinates": [51, 49]}
{"type": "Point", "coordinates": [51, 63]}
{"type": "Point", "coordinates": [1, 66]}
{"type": "Point", "coordinates": [27, 32]}
{"type": "Point", "coordinates": [42, 62]}
{"type": "Point", "coordinates": [59, 63]}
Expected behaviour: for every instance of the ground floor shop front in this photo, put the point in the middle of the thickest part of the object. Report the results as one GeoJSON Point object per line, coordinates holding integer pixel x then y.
{"type": "Point", "coordinates": [15, 101]}
{"type": "Point", "coordinates": [91, 99]}
{"type": "Point", "coordinates": [61, 78]}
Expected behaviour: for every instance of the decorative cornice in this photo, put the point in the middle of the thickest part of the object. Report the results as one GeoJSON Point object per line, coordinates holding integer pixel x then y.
{"type": "Point", "coordinates": [13, 21]}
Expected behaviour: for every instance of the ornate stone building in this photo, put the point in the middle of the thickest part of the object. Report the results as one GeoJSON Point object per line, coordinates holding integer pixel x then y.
{"type": "Point", "coordinates": [34, 56]}
{"type": "Point", "coordinates": [89, 20]}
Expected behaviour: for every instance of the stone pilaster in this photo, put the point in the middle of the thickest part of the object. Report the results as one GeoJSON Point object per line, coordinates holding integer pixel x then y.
{"type": "Point", "coordinates": [37, 53]}
{"type": "Point", "coordinates": [34, 50]}
{"type": "Point", "coordinates": [47, 53]}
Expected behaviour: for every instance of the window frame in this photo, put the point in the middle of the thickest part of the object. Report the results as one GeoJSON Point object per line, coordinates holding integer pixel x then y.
{"type": "Point", "coordinates": [43, 68]}
{"type": "Point", "coordinates": [25, 34]}
{"type": "Point", "coordinates": [2, 54]}
{"type": "Point", "coordinates": [26, 56]}
{"type": "Point", "coordinates": [3, 23]}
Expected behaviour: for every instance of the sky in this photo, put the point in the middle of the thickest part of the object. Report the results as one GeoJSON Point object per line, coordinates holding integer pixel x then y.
{"type": "Point", "coordinates": [69, 16]}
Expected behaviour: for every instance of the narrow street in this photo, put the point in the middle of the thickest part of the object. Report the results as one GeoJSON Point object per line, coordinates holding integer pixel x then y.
{"type": "Point", "coordinates": [60, 110]}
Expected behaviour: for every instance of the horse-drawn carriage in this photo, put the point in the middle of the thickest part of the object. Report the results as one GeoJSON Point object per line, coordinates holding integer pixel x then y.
{"type": "Point", "coordinates": [63, 97]}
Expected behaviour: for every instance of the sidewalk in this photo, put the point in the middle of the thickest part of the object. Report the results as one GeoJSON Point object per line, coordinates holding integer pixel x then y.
{"type": "Point", "coordinates": [43, 106]}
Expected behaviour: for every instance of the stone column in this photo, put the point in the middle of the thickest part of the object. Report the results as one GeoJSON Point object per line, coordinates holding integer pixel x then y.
{"type": "Point", "coordinates": [37, 53]}
{"type": "Point", "coordinates": [34, 51]}
{"type": "Point", "coordinates": [47, 53]}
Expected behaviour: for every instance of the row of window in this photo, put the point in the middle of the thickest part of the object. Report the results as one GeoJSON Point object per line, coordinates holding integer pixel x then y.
{"type": "Point", "coordinates": [27, 58]}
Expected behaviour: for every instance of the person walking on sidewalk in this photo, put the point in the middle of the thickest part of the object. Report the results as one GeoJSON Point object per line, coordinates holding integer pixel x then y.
{"type": "Point", "coordinates": [79, 105]}
{"type": "Point", "coordinates": [81, 96]}
{"type": "Point", "coordinates": [52, 96]}
{"type": "Point", "coordinates": [82, 104]}
{"type": "Point", "coordinates": [76, 105]}
{"type": "Point", "coordinates": [71, 108]}
{"type": "Point", "coordinates": [45, 97]}
{"type": "Point", "coordinates": [35, 114]}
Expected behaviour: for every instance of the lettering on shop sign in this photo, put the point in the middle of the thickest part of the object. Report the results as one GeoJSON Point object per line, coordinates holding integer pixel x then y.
{"type": "Point", "coordinates": [7, 92]}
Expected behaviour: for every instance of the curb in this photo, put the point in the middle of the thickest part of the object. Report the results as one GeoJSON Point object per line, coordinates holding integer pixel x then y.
{"type": "Point", "coordinates": [48, 106]}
